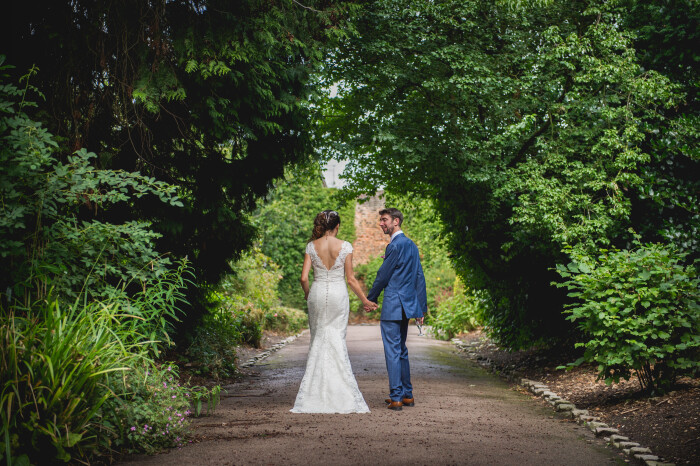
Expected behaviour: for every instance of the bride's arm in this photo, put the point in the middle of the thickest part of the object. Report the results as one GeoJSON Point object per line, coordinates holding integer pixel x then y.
{"type": "Point", "coordinates": [305, 275]}
{"type": "Point", "coordinates": [352, 281]}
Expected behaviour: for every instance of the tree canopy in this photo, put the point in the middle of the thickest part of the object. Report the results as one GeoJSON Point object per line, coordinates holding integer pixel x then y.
{"type": "Point", "coordinates": [533, 127]}
{"type": "Point", "coordinates": [208, 96]}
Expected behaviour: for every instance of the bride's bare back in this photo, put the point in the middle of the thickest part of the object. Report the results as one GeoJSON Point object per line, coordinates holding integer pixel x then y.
{"type": "Point", "coordinates": [327, 248]}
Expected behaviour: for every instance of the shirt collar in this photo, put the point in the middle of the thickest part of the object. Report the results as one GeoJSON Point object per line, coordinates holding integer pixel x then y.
{"type": "Point", "coordinates": [395, 234]}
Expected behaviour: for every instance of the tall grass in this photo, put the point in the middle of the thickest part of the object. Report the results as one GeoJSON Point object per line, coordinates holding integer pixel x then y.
{"type": "Point", "coordinates": [153, 310]}
{"type": "Point", "coordinates": [64, 367]}
{"type": "Point", "coordinates": [55, 366]}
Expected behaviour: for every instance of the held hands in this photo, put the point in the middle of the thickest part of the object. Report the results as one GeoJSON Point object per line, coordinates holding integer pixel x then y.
{"type": "Point", "coordinates": [419, 321]}
{"type": "Point", "coordinates": [370, 306]}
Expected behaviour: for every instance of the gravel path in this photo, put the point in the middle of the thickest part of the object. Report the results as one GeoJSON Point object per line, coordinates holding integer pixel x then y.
{"type": "Point", "coordinates": [463, 415]}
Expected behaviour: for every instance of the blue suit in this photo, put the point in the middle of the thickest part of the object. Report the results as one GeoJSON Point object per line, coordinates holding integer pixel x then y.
{"type": "Point", "coordinates": [401, 277]}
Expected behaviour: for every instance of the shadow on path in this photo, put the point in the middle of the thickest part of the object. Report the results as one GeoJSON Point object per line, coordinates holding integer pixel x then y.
{"type": "Point", "coordinates": [463, 415]}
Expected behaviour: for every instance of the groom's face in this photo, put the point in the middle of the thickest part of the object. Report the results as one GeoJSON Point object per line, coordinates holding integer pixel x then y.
{"type": "Point", "coordinates": [388, 224]}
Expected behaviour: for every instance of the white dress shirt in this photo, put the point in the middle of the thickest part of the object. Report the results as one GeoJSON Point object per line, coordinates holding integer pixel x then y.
{"type": "Point", "coordinates": [395, 234]}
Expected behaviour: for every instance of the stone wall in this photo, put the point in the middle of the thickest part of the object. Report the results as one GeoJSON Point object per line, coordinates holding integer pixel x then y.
{"type": "Point", "coordinates": [370, 240]}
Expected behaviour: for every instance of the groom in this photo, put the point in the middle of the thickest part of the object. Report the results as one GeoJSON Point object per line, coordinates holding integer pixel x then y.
{"type": "Point", "coordinates": [401, 277]}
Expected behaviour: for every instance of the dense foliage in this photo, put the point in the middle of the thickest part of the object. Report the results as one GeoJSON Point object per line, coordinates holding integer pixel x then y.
{"type": "Point", "coordinates": [86, 304]}
{"type": "Point", "coordinates": [44, 237]}
{"type": "Point", "coordinates": [533, 128]}
{"type": "Point", "coordinates": [56, 365]}
{"type": "Point", "coordinates": [248, 301]}
{"type": "Point", "coordinates": [208, 95]}
{"type": "Point", "coordinates": [639, 310]}
{"type": "Point", "coordinates": [78, 382]}
{"type": "Point", "coordinates": [461, 312]}
{"type": "Point", "coordinates": [285, 220]}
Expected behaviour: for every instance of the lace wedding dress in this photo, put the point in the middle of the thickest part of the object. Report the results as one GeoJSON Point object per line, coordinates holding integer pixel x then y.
{"type": "Point", "coordinates": [329, 385]}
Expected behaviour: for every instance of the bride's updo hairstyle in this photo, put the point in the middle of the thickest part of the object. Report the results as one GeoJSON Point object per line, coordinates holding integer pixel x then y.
{"type": "Point", "coordinates": [324, 221]}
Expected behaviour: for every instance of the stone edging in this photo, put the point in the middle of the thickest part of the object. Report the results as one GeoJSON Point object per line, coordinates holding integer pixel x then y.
{"type": "Point", "coordinates": [581, 416]}
{"type": "Point", "coordinates": [276, 347]}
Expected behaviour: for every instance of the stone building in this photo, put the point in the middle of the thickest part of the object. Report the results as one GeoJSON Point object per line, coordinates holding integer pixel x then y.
{"type": "Point", "coordinates": [370, 240]}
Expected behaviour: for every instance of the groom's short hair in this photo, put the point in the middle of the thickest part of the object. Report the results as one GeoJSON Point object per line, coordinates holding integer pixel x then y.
{"type": "Point", "coordinates": [394, 213]}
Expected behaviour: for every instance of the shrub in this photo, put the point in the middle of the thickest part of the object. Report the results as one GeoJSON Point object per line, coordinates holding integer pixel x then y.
{"type": "Point", "coordinates": [459, 313]}
{"type": "Point", "coordinates": [250, 327]}
{"type": "Point", "coordinates": [286, 319]}
{"type": "Point", "coordinates": [45, 235]}
{"type": "Point", "coordinates": [72, 375]}
{"type": "Point", "coordinates": [247, 300]}
{"type": "Point", "coordinates": [151, 412]}
{"type": "Point", "coordinates": [640, 310]}
{"type": "Point", "coordinates": [55, 366]}
{"type": "Point", "coordinates": [253, 283]}
{"type": "Point", "coordinates": [153, 310]}
{"type": "Point", "coordinates": [212, 349]}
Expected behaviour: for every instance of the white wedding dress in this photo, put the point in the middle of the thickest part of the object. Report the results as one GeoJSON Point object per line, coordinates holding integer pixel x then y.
{"type": "Point", "coordinates": [329, 385]}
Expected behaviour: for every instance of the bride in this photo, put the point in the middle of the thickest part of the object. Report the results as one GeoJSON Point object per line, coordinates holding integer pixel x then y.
{"type": "Point", "coordinates": [329, 385]}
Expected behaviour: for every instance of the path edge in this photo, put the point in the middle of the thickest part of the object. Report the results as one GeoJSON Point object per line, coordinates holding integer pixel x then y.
{"type": "Point", "coordinates": [272, 349]}
{"type": "Point", "coordinates": [561, 405]}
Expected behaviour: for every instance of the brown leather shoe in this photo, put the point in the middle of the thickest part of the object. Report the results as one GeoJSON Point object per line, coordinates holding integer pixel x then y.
{"type": "Point", "coordinates": [395, 405]}
{"type": "Point", "coordinates": [404, 402]}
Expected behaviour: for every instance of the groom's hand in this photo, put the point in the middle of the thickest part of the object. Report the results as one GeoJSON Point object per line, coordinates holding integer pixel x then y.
{"type": "Point", "coordinates": [420, 320]}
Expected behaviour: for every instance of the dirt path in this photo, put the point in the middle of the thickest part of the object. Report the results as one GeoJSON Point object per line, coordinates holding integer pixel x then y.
{"type": "Point", "coordinates": [463, 415]}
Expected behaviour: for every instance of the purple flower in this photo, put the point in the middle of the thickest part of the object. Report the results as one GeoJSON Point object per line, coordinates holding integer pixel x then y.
{"type": "Point", "coordinates": [133, 428]}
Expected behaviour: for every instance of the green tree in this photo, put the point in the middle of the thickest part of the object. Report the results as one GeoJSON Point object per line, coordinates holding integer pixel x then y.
{"type": "Point", "coordinates": [532, 128]}
{"type": "Point", "coordinates": [44, 239]}
{"type": "Point", "coordinates": [210, 96]}
{"type": "Point", "coordinates": [666, 208]}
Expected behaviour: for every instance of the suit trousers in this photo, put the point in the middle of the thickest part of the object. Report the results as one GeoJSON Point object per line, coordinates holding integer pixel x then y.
{"type": "Point", "coordinates": [394, 334]}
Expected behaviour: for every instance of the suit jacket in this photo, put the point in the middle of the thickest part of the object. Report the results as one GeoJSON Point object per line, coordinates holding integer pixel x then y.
{"type": "Point", "coordinates": [401, 277]}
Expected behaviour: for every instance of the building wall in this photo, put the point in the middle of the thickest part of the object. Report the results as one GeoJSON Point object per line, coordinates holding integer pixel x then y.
{"type": "Point", "coordinates": [370, 241]}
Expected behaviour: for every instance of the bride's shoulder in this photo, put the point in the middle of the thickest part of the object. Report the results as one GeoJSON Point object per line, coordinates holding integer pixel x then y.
{"type": "Point", "coordinates": [347, 246]}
